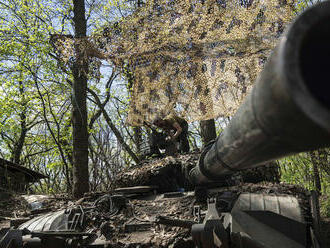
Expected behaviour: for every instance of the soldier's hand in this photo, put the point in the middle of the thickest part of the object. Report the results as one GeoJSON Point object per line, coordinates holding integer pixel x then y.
{"type": "Point", "coordinates": [170, 138]}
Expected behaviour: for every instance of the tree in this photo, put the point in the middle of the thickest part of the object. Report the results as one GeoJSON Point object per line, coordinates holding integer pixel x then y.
{"type": "Point", "coordinates": [208, 131]}
{"type": "Point", "coordinates": [33, 94]}
{"type": "Point", "coordinates": [79, 105]}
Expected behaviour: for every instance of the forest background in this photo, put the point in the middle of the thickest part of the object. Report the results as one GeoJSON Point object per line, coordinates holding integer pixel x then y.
{"type": "Point", "coordinates": [40, 105]}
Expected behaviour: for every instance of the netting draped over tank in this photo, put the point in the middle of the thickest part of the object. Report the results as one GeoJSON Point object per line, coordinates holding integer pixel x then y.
{"type": "Point", "coordinates": [196, 58]}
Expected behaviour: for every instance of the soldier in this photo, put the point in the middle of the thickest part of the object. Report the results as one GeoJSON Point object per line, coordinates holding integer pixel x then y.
{"type": "Point", "coordinates": [157, 140]}
{"type": "Point", "coordinates": [177, 129]}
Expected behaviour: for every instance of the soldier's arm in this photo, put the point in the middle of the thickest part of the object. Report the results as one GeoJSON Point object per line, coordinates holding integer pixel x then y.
{"type": "Point", "coordinates": [178, 131]}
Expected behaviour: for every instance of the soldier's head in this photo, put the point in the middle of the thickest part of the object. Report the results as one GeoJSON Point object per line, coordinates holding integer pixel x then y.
{"type": "Point", "coordinates": [159, 122]}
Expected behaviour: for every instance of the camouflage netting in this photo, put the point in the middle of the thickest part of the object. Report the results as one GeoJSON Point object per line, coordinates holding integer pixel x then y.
{"type": "Point", "coordinates": [195, 58]}
{"type": "Point", "coordinates": [171, 173]}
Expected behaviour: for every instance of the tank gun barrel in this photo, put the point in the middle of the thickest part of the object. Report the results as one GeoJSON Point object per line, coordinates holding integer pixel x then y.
{"type": "Point", "coordinates": [288, 109]}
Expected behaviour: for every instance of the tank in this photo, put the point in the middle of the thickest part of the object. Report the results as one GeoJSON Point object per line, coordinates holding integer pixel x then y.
{"type": "Point", "coordinates": [287, 112]}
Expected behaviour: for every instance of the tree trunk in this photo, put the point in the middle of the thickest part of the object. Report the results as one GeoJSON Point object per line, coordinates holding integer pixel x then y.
{"type": "Point", "coordinates": [137, 139]}
{"type": "Point", "coordinates": [18, 146]}
{"type": "Point", "coordinates": [208, 132]}
{"type": "Point", "coordinates": [79, 110]}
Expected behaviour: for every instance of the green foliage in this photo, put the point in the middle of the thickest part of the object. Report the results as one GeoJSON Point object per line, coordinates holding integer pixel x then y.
{"type": "Point", "coordinates": [25, 62]}
{"type": "Point", "coordinates": [325, 206]}
{"type": "Point", "coordinates": [35, 94]}
{"type": "Point", "coordinates": [301, 5]}
{"type": "Point", "coordinates": [298, 169]}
